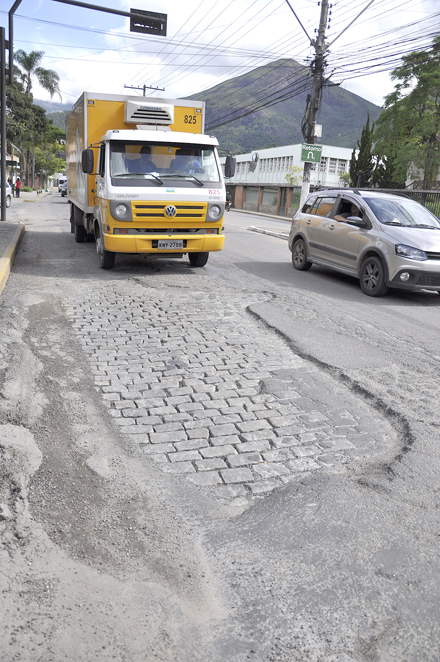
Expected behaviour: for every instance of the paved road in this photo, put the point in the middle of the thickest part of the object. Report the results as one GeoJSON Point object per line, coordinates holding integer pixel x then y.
{"type": "Point", "coordinates": [245, 454]}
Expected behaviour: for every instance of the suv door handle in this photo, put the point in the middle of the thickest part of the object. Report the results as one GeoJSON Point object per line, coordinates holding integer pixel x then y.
{"type": "Point", "coordinates": [308, 221]}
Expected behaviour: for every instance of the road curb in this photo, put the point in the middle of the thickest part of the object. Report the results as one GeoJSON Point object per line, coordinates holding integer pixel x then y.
{"type": "Point", "coordinates": [259, 213]}
{"type": "Point", "coordinates": [39, 197]}
{"type": "Point", "coordinates": [8, 256]}
{"type": "Point", "coordinates": [270, 232]}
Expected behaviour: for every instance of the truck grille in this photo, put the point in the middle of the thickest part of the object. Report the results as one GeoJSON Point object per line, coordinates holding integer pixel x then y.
{"type": "Point", "coordinates": [161, 231]}
{"type": "Point", "coordinates": [143, 211]}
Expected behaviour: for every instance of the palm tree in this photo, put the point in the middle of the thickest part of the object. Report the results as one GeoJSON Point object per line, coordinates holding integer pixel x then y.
{"type": "Point", "coordinates": [47, 78]}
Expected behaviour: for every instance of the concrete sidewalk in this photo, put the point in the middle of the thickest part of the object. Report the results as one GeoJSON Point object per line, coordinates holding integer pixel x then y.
{"type": "Point", "coordinates": [11, 234]}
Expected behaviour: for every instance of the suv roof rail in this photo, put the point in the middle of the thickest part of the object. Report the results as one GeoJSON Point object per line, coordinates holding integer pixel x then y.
{"type": "Point", "coordinates": [338, 188]}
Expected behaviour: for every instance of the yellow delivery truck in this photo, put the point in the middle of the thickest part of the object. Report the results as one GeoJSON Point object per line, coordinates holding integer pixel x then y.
{"type": "Point", "coordinates": [143, 178]}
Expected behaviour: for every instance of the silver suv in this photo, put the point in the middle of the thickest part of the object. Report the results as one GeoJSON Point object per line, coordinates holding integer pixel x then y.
{"type": "Point", "coordinates": [384, 240]}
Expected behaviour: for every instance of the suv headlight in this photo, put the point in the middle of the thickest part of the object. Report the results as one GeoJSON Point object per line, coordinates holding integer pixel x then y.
{"type": "Point", "coordinates": [121, 211]}
{"type": "Point", "coordinates": [215, 211]}
{"type": "Point", "coordinates": [411, 253]}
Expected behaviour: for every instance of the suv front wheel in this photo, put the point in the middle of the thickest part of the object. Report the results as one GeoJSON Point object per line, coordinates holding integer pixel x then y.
{"type": "Point", "coordinates": [299, 256]}
{"type": "Point", "coordinates": [372, 277]}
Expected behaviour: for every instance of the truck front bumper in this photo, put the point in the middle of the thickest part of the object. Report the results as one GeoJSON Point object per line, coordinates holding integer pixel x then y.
{"type": "Point", "coordinates": [141, 244]}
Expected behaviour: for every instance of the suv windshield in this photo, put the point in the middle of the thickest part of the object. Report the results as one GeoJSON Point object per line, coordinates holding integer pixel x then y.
{"type": "Point", "coordinates": [153, 164]}
{"type": "Point", "coordinates": [402, 212]}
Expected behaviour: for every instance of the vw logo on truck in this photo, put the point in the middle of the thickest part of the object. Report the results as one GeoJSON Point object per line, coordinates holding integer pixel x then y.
{"type": "Point", "coordinates": [170, 211]}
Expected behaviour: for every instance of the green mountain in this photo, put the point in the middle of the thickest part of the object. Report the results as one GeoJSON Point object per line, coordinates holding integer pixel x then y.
{"type": "Point", "coordinates": [342, 113]}
{"type": "Point", "coordinates": [58, 118]}
{"type": "Point", "coordinates": [55, 111]}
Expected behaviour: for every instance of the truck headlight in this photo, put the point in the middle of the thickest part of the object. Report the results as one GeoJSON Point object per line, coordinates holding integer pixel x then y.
{"type": "Point", "coordinates": [411, 253]}
{"type": "Point", "coordinates": [216, 211]}
{"type": "Point", "coordinates": [121, 211]}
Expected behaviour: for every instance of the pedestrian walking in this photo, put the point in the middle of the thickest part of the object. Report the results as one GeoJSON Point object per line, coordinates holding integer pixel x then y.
{"type": "Point", "coordinates": [18, 187]}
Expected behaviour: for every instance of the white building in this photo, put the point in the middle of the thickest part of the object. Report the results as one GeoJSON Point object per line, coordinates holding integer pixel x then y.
{"type": "Point", "coordinates": [270, 166]}
{"type": "Point", "coordinates": [260, 184]}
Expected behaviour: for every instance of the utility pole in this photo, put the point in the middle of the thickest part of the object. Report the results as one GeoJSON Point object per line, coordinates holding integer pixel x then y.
{"type": "Point", "coordinates": [144, 88]}
{"type": "Point", "coordinates": [314, 99]}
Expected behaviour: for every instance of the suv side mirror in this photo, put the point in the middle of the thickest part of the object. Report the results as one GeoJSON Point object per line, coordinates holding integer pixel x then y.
{"type": "Point", "coordinates": [87, 161]}
{"type": "Point", "coordinates": [230, 166]}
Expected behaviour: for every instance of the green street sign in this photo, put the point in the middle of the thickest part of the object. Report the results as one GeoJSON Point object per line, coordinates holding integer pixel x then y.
{"type": "Point", "coordinates": [311, 153]}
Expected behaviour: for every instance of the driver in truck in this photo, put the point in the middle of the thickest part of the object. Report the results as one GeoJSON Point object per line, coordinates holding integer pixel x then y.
{"type": "Point", "coordinates": [143, 163]}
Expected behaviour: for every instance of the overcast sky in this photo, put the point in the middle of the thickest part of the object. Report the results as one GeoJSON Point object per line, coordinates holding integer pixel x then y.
{"type": "Point", "coordinates": [209, 41]}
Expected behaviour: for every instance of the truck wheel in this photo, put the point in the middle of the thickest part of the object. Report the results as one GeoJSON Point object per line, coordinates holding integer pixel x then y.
{"type": "Point", "coordinates": [106, 259]}
{"type": "Point", "coordinates": [80, 233]}
{"type": "Point", "coordinates": [198, 259]}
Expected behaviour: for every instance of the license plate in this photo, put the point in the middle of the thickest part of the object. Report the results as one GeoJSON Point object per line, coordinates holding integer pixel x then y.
{"type": "Point", "coordinates": [169, 245]}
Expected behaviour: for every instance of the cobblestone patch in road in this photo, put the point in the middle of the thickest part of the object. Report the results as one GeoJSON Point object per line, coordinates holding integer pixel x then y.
{"type": "Point", "coordinates": [207, 391]}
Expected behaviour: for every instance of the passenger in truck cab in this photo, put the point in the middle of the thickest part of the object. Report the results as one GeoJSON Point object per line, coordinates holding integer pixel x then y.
{"type": "Point", "coordinates": [141, 163]}
{"type": "Point", "coordinates": [147, 165]}
{"type": "Point", "coordinates": [185, 161]}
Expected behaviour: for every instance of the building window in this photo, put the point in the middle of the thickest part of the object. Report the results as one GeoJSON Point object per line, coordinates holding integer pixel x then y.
{"type": "Point", "coordinates": [332, 166]}
{"type": "Point", "coordinates": [251, 194]}
{"type": "Point", "coordinates": [342, 166]}
{"type": "Point", "coordinates": [270, 197]}
{"type": "Point", "coordinates": [323, 164]}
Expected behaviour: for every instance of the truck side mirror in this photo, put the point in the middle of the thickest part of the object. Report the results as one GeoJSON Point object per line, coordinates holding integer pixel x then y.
{"type": "Point", "coordinates": [87, 161]}
{"type": "Point", "coordinates": [230, 166]}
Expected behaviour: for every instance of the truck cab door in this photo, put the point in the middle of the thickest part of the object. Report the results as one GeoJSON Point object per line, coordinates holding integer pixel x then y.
{"type": "Point", "coordinates": [100, 177]}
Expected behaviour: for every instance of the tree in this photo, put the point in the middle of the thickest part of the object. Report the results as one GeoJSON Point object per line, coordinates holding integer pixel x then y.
{"type": "Point", "coordinates": [362, 164]}
{"type": "Point", "coordinates": [344, 179]}
{"type": "Point", "coordinates": [294, 175]}
{"type": "Point", "coordinates": [388, 173]}
{"type": "Point", "coordinates": [25, 124]}
{"type": "Point", "coordinates": [30, 69]}
{"type": "Point", "coordinates": [407, 130]}
{"type": "Point", "coordinates": [46, 153]}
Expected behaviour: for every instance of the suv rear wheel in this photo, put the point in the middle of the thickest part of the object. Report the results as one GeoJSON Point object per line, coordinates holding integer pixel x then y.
{"type": "Point", "coordinates": [299, 256]}
{"type": "Point", "coordinates": [372, 277]}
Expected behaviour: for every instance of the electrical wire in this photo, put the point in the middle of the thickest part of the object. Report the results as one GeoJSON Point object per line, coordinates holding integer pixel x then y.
{"type": "Point", "coordinates": [377, 53]}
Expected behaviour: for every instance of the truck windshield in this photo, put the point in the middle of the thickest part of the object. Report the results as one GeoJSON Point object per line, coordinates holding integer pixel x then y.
{"type": "Point", "coordinates": [152, 164]}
